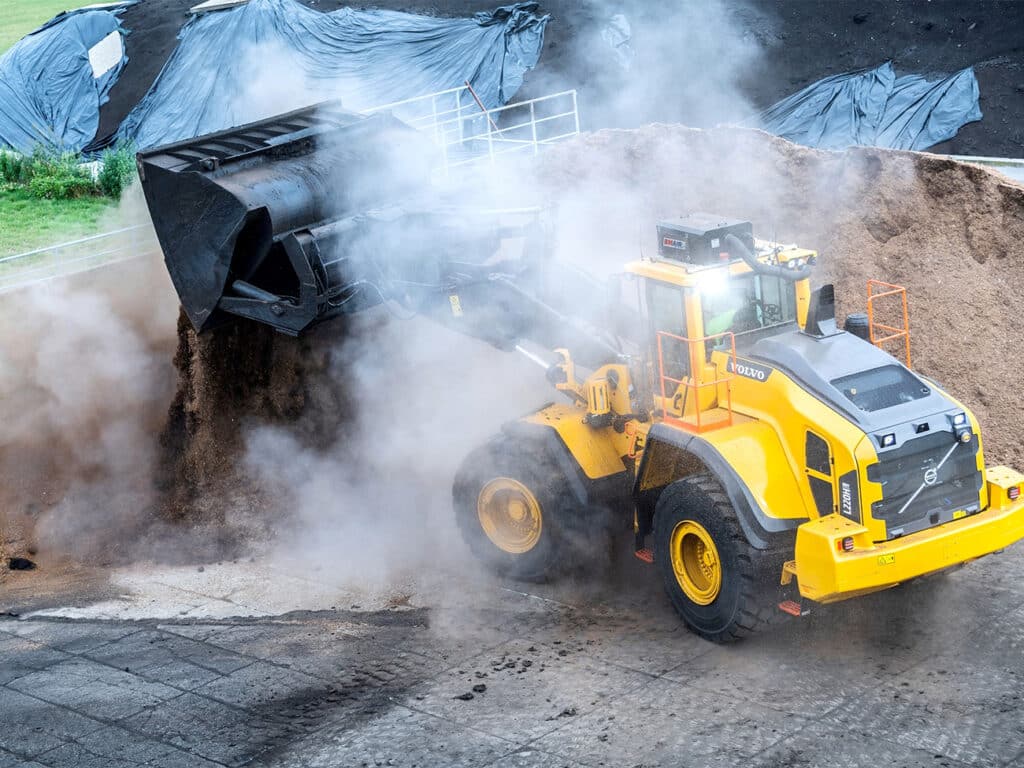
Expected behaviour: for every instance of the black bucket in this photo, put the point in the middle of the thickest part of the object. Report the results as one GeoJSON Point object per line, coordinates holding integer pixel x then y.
{"type": "Point", "coordinates": [251, 219]}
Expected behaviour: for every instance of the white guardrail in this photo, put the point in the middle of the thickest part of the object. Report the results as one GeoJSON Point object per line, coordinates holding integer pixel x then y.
{"type": "Point", "coordinates": [82, 255]}
{"type": "Point", "coordinates": [1008, 166]}
{"type": "Point", "coordinates": [464, 133]}
{"type": "Point", "coordinates": [467, 135]}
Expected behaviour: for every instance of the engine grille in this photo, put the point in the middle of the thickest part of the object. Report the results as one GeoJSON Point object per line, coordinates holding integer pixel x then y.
{"type": "Point", "coordinates": [943, 490]}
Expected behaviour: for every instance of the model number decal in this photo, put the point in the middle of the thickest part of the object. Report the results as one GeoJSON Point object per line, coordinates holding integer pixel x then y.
{"type": "Point", "coordinates": [849, 498]}
{"type": "Point", "coordinates": [846, 499]}
{"type": "Point", "coordinates": [750, 370]}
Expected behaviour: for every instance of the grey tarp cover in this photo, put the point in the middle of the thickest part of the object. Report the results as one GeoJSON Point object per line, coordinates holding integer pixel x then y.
{"type": "Point", "coordinates": [50, 95]}
{"type": "Point", "coordinates": [873, 107]}
{"type": "Point", "coordinates": [247, 63]}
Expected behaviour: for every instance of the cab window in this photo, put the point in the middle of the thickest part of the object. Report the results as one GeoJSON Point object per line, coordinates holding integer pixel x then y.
{"type": "Point", "coordinates": [748, 303]}
{"type": "Point", "coordinates": [665, 309]}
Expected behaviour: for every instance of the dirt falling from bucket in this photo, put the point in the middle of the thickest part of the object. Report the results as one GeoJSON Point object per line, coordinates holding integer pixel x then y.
{"type": "Point", "coordinates": [239, 376]}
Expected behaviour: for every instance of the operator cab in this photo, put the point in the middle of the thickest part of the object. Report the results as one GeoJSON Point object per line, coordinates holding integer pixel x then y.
{"type": "Point", "coordinates": [700, 289]}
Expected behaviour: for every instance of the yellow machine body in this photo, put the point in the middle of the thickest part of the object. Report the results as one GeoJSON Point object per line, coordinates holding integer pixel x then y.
{"type": "Point", "coordinates": [754, 426]}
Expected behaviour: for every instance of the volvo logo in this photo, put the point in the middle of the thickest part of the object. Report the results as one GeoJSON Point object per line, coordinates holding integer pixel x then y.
{"type": "Point", "coordinates": [749, 370]}
{"type": "Point", "coordinates": [931, 476]}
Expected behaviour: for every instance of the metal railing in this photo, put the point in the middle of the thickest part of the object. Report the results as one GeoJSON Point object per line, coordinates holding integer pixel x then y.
{"type": "Point", "coordinates": [1009, 166]}
{"type": "Point", "coordinates": [879, 290]}
{"type": "Point", "coordinates": [82, 255]}
{"type": "Point", "coordinates": [675, 389]}
{"type": "Point", "coordinates": [467, 135]}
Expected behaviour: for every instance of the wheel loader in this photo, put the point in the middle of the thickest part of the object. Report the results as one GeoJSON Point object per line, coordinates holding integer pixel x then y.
{"type": "Point", "coordinates": [766, 458]}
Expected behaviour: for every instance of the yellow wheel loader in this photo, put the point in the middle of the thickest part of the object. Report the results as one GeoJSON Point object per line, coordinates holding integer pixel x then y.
{"type": "Point", "coordinates": [767, 458]}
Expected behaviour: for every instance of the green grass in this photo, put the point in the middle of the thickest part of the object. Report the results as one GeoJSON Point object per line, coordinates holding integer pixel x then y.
{"type": "Point", "coordinates": [28, 222]}
{"type": "Point", "coordinates": [19, 17]}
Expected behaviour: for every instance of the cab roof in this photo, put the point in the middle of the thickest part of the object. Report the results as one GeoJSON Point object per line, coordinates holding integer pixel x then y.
{"type": "Point", "coordinates": [689, 275]}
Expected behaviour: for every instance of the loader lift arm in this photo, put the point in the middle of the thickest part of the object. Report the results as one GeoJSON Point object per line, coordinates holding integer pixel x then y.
{"type": "Point", "coordinates": [321, 212]}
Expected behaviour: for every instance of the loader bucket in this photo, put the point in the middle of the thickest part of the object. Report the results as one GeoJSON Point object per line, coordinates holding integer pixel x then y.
{"type": "Point", "coordinates": [244, 216]}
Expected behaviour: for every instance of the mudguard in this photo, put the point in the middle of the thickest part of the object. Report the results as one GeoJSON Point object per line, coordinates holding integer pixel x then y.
{"type": "Point", "coordinates": [610, 492]}
{"type": "Point", "coordinates": [762, 532]}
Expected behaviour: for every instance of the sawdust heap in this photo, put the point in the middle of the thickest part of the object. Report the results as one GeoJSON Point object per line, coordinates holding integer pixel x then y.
{"type": "Point", "coordinates": [951, 233]}
{"type": "Point", "coordinates": [947, 231]}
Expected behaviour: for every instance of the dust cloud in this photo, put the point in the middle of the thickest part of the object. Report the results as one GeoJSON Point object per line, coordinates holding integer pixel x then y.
{"type": "Point", "coordinates": [339, 448]}
{"type": "Point", "coordinates": [376, 505]}
{"type": "Point", "coordinates": [85, 378]}
{"type": "Point", "coordinates": [335, 452]}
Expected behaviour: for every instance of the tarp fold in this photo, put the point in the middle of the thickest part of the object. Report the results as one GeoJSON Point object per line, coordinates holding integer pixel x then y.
{"type": "Point", "coordinates": [54, 80]}
{"type": "Point", "coordinates": [267, 57]}
{"type": "Point", "coordinates": [874, 107]}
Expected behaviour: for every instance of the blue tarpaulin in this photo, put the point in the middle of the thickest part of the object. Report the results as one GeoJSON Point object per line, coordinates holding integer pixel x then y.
{"type": "Point", "coordinates": [267, 57]}
{"type": "Point", "coordinates": [53, 81]}
{"type": "Point", "coordinates": [873, 107]}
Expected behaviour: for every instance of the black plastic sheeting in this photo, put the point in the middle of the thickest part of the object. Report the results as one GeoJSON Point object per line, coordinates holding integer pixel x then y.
{"type": "Point", "coordinates": [50, 97]}
{"type": "Point", "coordinates": [236, 66]}
{"type": "Point", "coordinates": [873, 107]}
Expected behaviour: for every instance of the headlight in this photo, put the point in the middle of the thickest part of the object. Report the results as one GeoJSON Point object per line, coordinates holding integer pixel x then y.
{"type": "Point", "coordinates": [960, 419]}
{"type": "Point", "coordinates": [888, 440]}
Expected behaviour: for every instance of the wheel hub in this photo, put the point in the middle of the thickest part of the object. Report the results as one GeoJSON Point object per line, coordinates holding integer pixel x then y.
{"type": "Point", "coordinates": [510, 515]}
{"type": "Point", "coordinates": [695, 562]}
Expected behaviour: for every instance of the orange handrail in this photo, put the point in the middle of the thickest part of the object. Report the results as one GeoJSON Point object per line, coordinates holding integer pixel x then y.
{"type": "Point", "coordinates": [696, 385]}
{"type": "Point", "coordinates": [888, 290]}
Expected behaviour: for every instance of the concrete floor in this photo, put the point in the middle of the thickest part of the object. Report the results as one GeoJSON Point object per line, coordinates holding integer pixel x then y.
{"type": "Point", "coordinates": [598, 672]}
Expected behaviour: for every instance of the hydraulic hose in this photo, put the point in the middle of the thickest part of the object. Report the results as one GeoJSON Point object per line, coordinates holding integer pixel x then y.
{"type": "Point", "coordinates": [771, 270]}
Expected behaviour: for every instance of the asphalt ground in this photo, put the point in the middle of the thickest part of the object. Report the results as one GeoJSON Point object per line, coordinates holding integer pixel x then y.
{"type": "Point", "coordinates": [593, 671]}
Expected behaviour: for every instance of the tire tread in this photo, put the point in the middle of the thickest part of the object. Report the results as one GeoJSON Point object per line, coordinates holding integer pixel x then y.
{"type": "Point", "coordinates": [756, 608]}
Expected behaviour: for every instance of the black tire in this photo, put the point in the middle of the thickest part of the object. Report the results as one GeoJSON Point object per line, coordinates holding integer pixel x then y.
{"type": "Point", "coordinates": [527, 464]}
{"type": "Point", "coordinates": [747, 600]}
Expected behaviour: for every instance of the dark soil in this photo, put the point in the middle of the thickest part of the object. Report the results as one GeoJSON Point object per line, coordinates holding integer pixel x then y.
{"type": "Point", "coordinates": [684, 81]}
{"type": "Point", "coordinates": [242, 374]}
{"type": "Point", "coordinates": [811, 40]}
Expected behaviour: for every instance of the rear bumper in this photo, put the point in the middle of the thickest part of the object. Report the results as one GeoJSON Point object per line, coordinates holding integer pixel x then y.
{"type": "Point", "coordinates": [827, 574]}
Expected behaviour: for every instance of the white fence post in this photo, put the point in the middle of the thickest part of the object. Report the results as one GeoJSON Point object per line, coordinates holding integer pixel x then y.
{"type": "Point", "coordinates": [533, 127]}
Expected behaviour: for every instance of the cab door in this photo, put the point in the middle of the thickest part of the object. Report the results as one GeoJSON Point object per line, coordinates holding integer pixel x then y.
{"type": "Point", "coordinates": [666, 314]}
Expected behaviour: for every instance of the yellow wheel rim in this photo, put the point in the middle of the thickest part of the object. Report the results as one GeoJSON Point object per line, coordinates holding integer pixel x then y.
{"type": "Point", "coordinates": [510, 515]}
{"type": "Point", "coordinates": [695, 562]}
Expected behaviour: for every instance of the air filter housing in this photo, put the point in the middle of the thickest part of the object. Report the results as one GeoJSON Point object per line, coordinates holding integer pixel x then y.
{"type": "Point", "coordinates": [699, 238]}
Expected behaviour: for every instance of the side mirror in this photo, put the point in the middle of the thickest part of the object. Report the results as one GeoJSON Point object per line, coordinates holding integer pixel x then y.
{"type": "Point", "coordinates": [821, 312]}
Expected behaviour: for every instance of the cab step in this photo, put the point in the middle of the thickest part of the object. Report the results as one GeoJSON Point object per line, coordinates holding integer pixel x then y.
{"type": "Point", "coordinates": [793, 608]}
{"type": "Point", "coordinates": [645, 554]}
